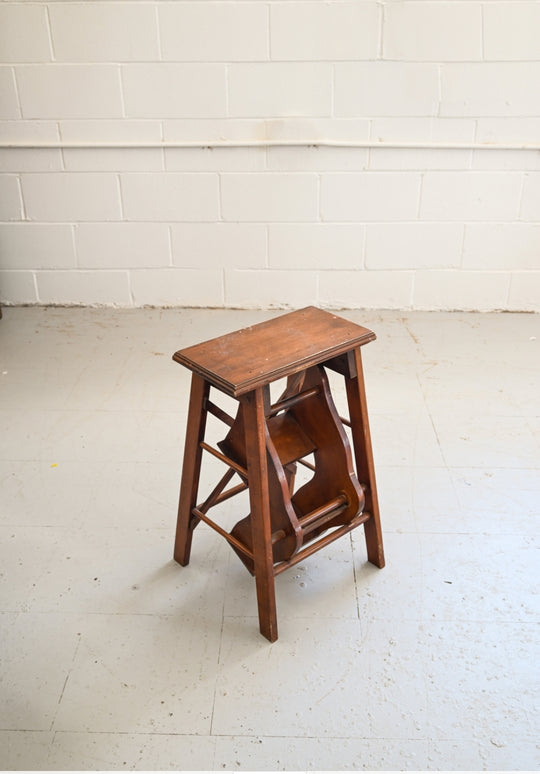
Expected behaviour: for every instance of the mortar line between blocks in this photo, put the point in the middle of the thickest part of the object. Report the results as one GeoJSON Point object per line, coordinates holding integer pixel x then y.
{"type": "Point", "coordinates": [482, 33]}
{"type": "Point", "coordinates": [220, 197]}
{"type": "Point", "coordinates": [520, 197]}
{"type": "Point", "coordinates": [130, 289]}
{"type": "Point", "coordinates": [269, 36]}
{"type": "Point", "coordinates": [120, 196]}
{"type": "Point", "coordinates": [333, 91]}
{"type": "Point", "coordinates": [412, 290]}
{"type": "Point", "coordinates": [24, 216]}
{"type": "Point", "coordinates": [121, 84]}
{"type": "Point", "coordinates": [36, 286]}
{"type": "Point", "coordinates": [508, 289]}
{"type": "Point", "coordinates": [420, 197]}
{"type": "Point", "coordinates": [462, 249]}
{"type": "Point", "coordinates": [227, 107]}
{"type": "Point", "coordinates": [170, 244]}
{"type": "Point", "coordinates": [380, 30]}
{"type": "Point", "coordinates": [73, 231]}
{"type": "Point", "coordinates": [158, 33]}
{"type": "Point", "coordinates": [364, 247]}
{"type": "Point", "coordinates": [439, 90]}
{"type": "Point", "coordinates": [223, 286]}
{"type": "Point", "coordinates": [267, 246]}
{"type": "Point", "coordinates": [49, 33]}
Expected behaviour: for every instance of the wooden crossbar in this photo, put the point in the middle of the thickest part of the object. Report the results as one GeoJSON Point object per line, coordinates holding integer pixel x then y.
{"type": "Point", "coordinates": [219, 413]}
{"type": "Point", "coordinates": [324, 513]}
{"type": "Point", "coordinates": [281, 405]}
{"type": "Point", "coordinates": [223, 458]}
{"type": "Point", "coordinates": [229, 538]}
{"type": "Point", "coordinates": [326, 540]}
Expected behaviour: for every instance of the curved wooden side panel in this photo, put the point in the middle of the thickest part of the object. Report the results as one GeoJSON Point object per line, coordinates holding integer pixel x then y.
{"type": "Point", "coordinates": [334, 472]}
{"type": "Point", "coordinates": [311, 425]}
{"type": "Point", "coordinates": [285, 527]}
{"type": "Point", "coordinates": [286, 531]}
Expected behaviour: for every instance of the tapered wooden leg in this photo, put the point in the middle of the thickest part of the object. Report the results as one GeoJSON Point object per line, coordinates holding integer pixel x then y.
{"type": "Point", "coordinates": [356, 397]}
{"type": "Point", "coordinates": [196, 424]}
{"type": "Point", "coordinates": [257, 467]}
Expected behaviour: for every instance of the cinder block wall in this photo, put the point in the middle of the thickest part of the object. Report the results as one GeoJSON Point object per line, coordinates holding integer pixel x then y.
{"type": "Point", "coordinates": [446, 220]}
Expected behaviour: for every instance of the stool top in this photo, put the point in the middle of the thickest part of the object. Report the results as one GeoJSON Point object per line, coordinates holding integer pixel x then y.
{"type": "Point", "coordinates": [252, 357]}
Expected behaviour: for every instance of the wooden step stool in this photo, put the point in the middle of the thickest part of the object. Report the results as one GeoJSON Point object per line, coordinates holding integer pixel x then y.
{"type": "Point", "coordinates": [265, 442]}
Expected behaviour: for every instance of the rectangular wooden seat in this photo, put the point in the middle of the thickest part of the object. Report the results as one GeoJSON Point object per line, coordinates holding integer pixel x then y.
{"type": "Point", "coordinates": [239, 362]}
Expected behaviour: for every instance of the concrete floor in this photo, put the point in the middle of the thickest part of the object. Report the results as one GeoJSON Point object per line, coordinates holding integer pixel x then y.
{"type": "Point", "coordinates": [114, 657]}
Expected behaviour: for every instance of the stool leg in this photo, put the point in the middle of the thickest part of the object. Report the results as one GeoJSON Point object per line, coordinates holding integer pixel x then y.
{"type": "Point", "coordinates": [257, 467]}
{"type": "Point", "coordinates": [196, 424]}
{"type": "Point", "coordinates": [356, 397]}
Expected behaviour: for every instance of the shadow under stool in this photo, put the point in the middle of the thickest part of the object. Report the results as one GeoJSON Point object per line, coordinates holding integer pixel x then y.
{"type": "Point", "coordinates": [266, 441]}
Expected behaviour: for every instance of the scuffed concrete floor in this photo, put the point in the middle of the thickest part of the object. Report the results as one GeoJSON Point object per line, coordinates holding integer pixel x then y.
{"type": "Point", "coordinates": [114, 657]}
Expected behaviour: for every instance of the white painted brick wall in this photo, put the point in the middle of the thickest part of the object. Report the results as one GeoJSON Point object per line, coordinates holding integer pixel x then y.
{"type": "Point", "coordinates": [24, 35]}
{"type": "Point", "coordinates": [525, 291]}
{"type": "Point", "coordinates": [112, 159]}
{"type": "Point", "coordinates": [470, 290]}
{"type": "Point", "coordinates": [62, 197]}
{"type": "Point", "coordinates": [170, 197]}
{"type": "Point", "coordinates": [522, 129]}
{"type": "Point", "coordinates": [269, 197]}
{"type": "Point", "coordinates": [413, 245]}
{"type": "Point", "coordinates": [104, 32]}
{"type": "Point", "coordinates": [512, 31]}
{"type": "Point", "coordinates": [530, 203]}
{"type": "Point", "coordinates": [490, 89]}
{"type": "Point", "coordinates": [324, 31]}
{"type": "Point", "coordinates": [219, 245]}
{"type": "Point", "coordinates": [367, 290]}
{"type": "Point", "coordinates": [69, 91]}
{"type": "Point", "coordinates": [82, 287]}
{"type": "Point", "coordinates": [269, 289]}
{"type": "Point", "coordinates": [174, 90]}
{"type": "Point", "coordinates": [427, 228]}
{"type": "Point", "coordinates": [316, 245]}
{"type": "Point", "coordinates": [10, 197]}
{"type": "Point", "coordinates": [264, 89]}
{"type": "Point", "coordinates": [370, 196]}
{"type": "Point", "coordinates": [213, 31]}
{"type": "Point", "coordinates": [433, 32]}
{"type": "Point", "coordinates": [40, 160]}
{"type": "Point", "coordinates": [214, 159]}
{"type": "Point", "coordinates": [9, 101]}
{"type": "Point", "coordinates": [177, 287]}
{"type": "Point", "coordinates": [18, 286]}
{"type": "Point", "coordinates": [501, 246]}
{"type": "Point", "coordinates": [489, 196]}
{"type": "Point", "coordinates": [317, 159]}
{"type": "Point", "coordinates": [37, 246]}
{"type": "Point", "coordinates": [375, 89]}
{"type": "Point", "coordinates": [122, 245]}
